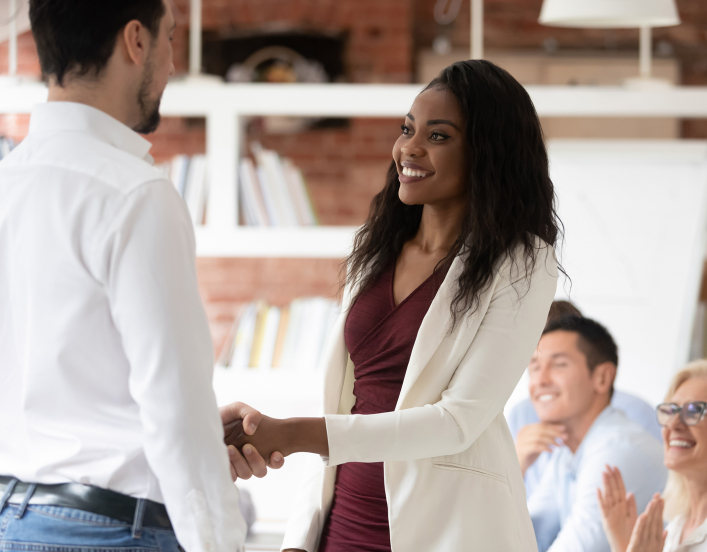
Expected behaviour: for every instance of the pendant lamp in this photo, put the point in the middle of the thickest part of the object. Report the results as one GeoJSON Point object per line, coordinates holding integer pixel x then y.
{"type": "Point", "coordinates": [609, 14]}
{"type": "Point", "coordinates": [614, 14]}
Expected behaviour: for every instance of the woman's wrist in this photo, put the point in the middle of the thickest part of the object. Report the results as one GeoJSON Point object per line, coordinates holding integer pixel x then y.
{"type": "Point", "coordinates": [306, 435]}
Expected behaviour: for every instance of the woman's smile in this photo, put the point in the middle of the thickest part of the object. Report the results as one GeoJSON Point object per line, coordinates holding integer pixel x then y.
{"type": "Point", "coordinates": [411, 173]}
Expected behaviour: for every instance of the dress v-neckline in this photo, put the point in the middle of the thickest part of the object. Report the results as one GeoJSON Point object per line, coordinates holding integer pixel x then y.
{"type": "Point", "coordinates": [392, 289]}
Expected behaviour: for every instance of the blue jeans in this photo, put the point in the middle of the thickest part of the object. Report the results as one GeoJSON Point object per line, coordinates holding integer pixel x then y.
{"type": "Point", "coordinates": [54, 529]}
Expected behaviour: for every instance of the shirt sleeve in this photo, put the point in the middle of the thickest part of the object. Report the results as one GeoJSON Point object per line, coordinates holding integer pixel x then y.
{"type": "Point", "coordinates": [582, 530]}
{"type": "Point", "coordinates": [148, 258]}
{"type": "Point", "coordinates": [544, 510]}
{"type": "Point", "coordinates": [478, 391]}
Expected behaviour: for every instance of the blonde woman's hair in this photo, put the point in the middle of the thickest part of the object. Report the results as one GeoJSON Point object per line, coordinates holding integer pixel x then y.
{"type": "Point", "coordinates": [676, 494]}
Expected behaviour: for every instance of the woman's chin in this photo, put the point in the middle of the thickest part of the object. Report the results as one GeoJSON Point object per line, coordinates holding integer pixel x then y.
{"type": "Point", "coordinates": [411, 199]}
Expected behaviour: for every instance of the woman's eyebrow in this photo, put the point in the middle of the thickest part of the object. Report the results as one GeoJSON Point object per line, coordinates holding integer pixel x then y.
{"type": "Point", "coordinates": [442, 122]}
{"type": "Point", "coordinates": [436, 122]}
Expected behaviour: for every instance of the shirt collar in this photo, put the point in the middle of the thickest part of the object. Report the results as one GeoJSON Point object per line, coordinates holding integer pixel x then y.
{"type": "Point", "coordinates": [697, 536]}
{"type": "Point", "coordinates": [77, 117]}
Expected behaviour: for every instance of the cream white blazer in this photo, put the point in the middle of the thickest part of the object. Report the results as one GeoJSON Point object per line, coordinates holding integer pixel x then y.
{"type": "Point", "coordinates": [452, 478]}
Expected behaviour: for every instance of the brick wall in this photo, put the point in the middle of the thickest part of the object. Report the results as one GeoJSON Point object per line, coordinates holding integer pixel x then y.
{"type": "Point", "coordinates": [379, 37]}
{"type": "Point", "coordinates": [345, 167]}
{"type": "Point", "coordinates": [227, 284]}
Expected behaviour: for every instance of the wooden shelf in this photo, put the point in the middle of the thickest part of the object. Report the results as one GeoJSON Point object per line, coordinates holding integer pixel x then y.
{"type": "Point", "coordinates": [224, 106]}
{"type": "Point", "coordinates": [323, 242]}
{"type": "Point", "coordinates": [182, 98]}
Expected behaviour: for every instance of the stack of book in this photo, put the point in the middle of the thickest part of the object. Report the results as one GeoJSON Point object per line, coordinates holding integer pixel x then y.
{"type": "Point", "coordinates": [6, 146]}
{"type": "Point", "coordinates": [189, 177]}
{"type": "Point", "coordinates": [292, 337]}
{"type": "Point", "coordinates": [272, 191]}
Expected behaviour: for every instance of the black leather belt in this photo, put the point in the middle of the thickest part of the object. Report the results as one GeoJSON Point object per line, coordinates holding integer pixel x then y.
{"type": "Point", "coordinates": [89, 499]}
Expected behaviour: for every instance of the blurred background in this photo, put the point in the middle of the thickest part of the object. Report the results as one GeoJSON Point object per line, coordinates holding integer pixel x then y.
{"type": "Point", "coordinates": [278, 162]}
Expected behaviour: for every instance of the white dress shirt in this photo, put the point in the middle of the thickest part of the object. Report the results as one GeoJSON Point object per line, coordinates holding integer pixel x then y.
{"type": "Point", "coordinates": [696, 542]}
{"type": "Point", "coordinates": [105, 354]}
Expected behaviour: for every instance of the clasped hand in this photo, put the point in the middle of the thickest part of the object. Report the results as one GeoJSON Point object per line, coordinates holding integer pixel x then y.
{"type": "Point", "coordinates": [246, 454]}
{"type": "Point", "coordinates": [271, 438]}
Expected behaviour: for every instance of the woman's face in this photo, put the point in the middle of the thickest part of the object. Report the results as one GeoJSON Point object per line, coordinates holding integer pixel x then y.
{"type": "Point", "coordinates": [430, 153]}
{"type": "Point", "coordinates": [685, 447]}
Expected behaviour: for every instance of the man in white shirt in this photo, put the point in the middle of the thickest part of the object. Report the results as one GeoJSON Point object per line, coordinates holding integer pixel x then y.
{"type": "Point", "coordinates": [571, 383]}
{"type": "Point", "coordinates": [109, 433]}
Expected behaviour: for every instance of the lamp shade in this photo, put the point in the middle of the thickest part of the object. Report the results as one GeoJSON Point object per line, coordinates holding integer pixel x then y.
{"type": "Point", "coordinates": [603, 14]}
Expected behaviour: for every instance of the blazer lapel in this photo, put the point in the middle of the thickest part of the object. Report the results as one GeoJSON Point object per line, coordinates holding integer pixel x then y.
{"type": "Point", "coordinates": [434, 328]}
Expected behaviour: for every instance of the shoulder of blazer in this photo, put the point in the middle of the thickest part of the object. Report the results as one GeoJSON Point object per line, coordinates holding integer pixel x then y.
{"type": "Point", "coordinates": [514, 268]}
{"type": "Point", "coordinates": [508, 266]}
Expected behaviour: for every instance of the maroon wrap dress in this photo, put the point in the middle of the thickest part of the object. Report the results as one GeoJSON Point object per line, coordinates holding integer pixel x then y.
{"type": "Point", "coordinates": [379, 337]}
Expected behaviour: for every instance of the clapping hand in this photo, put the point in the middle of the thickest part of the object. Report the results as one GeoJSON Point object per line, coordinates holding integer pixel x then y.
{"type": "Point", "coordinates": [250, 462]}
{"type": "Point", "coordinates": [618, 510]}
{"type": "Point", "coordinates": [649, 535]}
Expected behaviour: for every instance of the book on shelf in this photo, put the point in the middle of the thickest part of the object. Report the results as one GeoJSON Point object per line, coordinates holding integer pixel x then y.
{"type": "Point", "coordinates": [273, 192]}
{"type": "Point", "coordinates": [6, 146]}
{"type": "Point", "coordinates": [288, 338]}
{"type": "Point", "coordinates": [188, 174]}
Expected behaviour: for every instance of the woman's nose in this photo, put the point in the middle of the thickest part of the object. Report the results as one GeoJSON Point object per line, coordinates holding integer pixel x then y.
{"type": "Point", "coordinates": [413, 149]}
{"type": "Point", "coordinates": [675, 422]}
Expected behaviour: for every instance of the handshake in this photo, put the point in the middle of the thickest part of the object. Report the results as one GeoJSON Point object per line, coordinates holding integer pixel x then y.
{"type": "Point", "coordinates": [246, 453]}
{"type": "Point", "coordinates": [274, 439]}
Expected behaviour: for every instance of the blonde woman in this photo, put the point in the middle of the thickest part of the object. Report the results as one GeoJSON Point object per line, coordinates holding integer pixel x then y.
{"type": "Point", "coordinates": [684, 500]}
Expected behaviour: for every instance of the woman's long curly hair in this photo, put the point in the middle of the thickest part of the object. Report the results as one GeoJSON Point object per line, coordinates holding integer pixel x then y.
{"type": "Point", "coordinates": [510, 198]}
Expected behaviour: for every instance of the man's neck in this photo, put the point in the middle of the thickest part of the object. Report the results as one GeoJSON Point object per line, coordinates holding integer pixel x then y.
{"type": "Point", "coordinates": [99, 95]}
{"type": "Point", "coordinates": [578, 427]}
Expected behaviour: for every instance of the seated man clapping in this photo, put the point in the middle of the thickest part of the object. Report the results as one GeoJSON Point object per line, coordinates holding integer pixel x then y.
{"type": "Point", "coordinates": [685, 496]}
{"type": "Point", "coordinates": [571, 383]}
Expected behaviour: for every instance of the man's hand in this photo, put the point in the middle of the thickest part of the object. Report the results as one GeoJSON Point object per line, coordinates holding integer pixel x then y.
{"type": "Point", "coordinates": [534, 439]}
{"type": "Point", "coordinates": [244, 466]}
{"type": "Point", "coordinates": [618, 510]}
{"type": "Point", "coordinates": [648, 535]}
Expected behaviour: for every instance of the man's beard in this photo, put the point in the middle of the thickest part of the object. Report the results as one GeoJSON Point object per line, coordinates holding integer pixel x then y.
{"type": "Point", "coordinates": [149, 109]}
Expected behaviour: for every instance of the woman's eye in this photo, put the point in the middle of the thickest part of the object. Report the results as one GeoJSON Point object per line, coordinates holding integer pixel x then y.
{"type": "Point", "coordinates": [405, 129]}
{"type": "Point", "coordinates": [438, 136]}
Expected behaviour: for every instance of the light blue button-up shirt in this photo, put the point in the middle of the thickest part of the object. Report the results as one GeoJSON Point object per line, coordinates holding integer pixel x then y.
{"type": "Point", "coordinates": [524, 414]}
{"type": "Point", "coordinates": [564, 507]}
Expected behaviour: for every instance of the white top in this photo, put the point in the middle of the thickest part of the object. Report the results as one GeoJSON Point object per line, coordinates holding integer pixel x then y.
{"type": "Point", "coordinates": [105, 354]}
{"type": "Point", "coordinates": [696, 542]}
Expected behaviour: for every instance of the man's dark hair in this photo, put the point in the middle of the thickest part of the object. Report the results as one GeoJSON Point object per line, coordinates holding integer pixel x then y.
{"type": "Point", "coordinates": [593, 340]}
{"type": "Point", "coordinates": [79, 36]}
{"type": "Point", "coordinates": [558, 309]}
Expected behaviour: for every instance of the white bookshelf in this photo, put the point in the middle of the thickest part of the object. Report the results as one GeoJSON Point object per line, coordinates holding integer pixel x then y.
{"type": "Point", "coordinates": [225, 105]}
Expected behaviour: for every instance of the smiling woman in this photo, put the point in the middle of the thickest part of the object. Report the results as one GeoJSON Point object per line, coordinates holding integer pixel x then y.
{"type": "Point", "coordinates": [682, 417]}
{"type": "Point", "coordinates": [446, 293]}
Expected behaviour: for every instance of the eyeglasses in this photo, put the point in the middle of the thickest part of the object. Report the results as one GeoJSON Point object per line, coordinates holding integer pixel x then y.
{"type": "Point", "coordinates": [690, 414]}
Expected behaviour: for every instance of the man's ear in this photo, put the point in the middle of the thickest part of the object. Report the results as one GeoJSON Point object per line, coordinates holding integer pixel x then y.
{"type": "Point", "coordinates": [136, 40]}
{"type": "Point", "coordinates": [603, 377]}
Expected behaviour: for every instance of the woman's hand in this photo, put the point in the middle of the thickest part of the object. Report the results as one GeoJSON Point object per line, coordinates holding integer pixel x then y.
{"type": "Point", "coordinates": [250, 462]}
{"type": "Point", "coordinates": [649, 535]}
{"type": "Point", "coordinates": [618, 510]}
{"type": "Point", "coordinates": [272, 436]}
{"type": "Point", "coordinates": [286, 436]}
